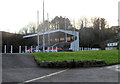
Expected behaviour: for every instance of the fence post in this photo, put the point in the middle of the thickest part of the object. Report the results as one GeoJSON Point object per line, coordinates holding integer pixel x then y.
{"type": "Point", "coordinates": [82, 48]}
{"type": "Point", "coordinates": [19, 49]}
{"type": "Point", "coordinates": [5, 49]}
{"type": "Point", "coordinates": [52, 48]}
{"type": "Point", "coordinates": [31, 49]}
{"type": "Point", "coordinates": [56, 49]}
{"type": "Point", "coordinates": [25, 48]}
{"type": "Point", "coordinates": [48, 49]}
{"type": "Point", "coordinates": [11, 49]}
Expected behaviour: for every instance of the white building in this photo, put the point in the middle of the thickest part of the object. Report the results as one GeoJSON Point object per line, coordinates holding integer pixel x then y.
{"type": "Point", "coordinates": [112, 46]}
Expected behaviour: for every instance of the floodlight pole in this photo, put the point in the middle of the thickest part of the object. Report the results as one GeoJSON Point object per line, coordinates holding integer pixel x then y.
{"type": "Point", "coordinates": [37, 28]}
{"type": "Point", "coordinates": [65, 30]}
{"type": "Point", "coordinates": [119, 24]}
{"type": "Point", "coordinates": [74, 35]}
{"type": "Point", "coordinates": [48, 30]}
{"type": "Point", "coordinates": [43, 30]}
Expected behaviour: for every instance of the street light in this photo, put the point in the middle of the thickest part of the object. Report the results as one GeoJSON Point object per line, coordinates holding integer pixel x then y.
{"type": "Point", "coordinates": [37, 28]}
{"type": "Point", "coordinates": [43, 30]}
{"type": "Point", "coordinates": [65, 30]}
{"type": "Point", "coordinates": [74, 33]}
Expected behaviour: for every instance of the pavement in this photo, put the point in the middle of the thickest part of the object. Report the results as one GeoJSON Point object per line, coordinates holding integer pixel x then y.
{"type": "Point", "coordinates": [23, 69]}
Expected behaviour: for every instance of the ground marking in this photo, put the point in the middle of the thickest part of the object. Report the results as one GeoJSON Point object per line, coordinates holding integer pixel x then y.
{"type": "Point", "coordinates": [44, 76]}
{"type": "Point", "coordinates": [115, 67]}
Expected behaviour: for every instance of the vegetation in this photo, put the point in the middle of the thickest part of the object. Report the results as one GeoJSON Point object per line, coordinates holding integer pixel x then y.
{"type": "Point", "coordinates": [16, 40]}
{"type": "Point", "coordinates": [94, 32]}
{"type": "Point", "coordinates": [110, 56]}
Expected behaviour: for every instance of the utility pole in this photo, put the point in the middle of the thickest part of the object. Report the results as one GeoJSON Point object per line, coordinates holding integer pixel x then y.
{"type": "Point", "coordinates": [65, 30]}
{"type": "Point", "coordinates": [119, 24]}
{"type": "Point", "coordinates": [43, 30]}
{"type": "Point", "coordinates": [37, 29]}
{"type": "Point", "coordinates": [74, 35]}
{"type": "Point", "coordinates": [48, 30]}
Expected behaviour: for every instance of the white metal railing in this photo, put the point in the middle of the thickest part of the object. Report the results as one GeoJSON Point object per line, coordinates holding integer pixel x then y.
{"type": "Point", "coordinates": [29, 49]}
{"type": "Point", "coordinates": [83, 49]}
{"type": "Point", "coordinates": [10, 49]}
{"type": "Point", "coordinates": [51, 49]}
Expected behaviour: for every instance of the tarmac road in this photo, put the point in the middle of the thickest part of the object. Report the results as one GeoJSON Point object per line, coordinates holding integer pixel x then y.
{"type": "Point", "coordinates": [22, 68]}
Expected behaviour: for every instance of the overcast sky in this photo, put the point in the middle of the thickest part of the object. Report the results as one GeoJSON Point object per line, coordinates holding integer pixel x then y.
{"type": "Point", "coordinates": [15, 14]}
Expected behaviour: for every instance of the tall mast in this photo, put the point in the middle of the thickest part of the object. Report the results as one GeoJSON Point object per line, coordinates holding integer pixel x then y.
{"type": "Point", "coordinates": [74, 34]}
{"type": "Point", "coordinates": [48, 29]}
{"type": "Point", "coordinates": [43, 30]}
{"type": "Point", "coordinates": [65, 30]}
{"type": "Point", "coordinates": [37, 29]}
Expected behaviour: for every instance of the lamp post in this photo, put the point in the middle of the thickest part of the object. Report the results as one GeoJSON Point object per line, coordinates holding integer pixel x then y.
{"type": "Point", "coordinates": [65, 30]}
{"type": "Point", "coordinates": [119, 37]}
{"type": "Point", "coordinates": [74, 35]}
{"type": "Point", "coordinates": [48, 30]}
{"type": "Point", "coordinates": [37, 28]}
{"type": "Point", "coordinates": [43, 30]}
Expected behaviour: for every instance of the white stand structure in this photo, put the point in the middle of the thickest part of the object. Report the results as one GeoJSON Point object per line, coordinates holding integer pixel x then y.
{"type": "Point", "coordinates": [74, 45]}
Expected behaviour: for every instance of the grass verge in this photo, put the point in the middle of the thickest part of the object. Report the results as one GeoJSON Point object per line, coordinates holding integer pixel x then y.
{"type": "Point", "coordinates": [109, 56]}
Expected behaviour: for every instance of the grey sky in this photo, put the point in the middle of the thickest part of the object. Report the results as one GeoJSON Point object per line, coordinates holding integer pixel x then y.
{"type": "Point", "coordinates": [15, 14]}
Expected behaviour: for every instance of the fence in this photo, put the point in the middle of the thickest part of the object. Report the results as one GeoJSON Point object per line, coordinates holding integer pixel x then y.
{"type": "Point", "coordinates": [16, 49]}
{"type": "Point", "coordinates": [85, 49]}
{"type": "Point", "coordinates": [29, 49]}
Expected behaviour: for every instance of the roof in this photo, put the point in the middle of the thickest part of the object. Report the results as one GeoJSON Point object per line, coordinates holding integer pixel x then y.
{"type": "Point", "coordinates": [59, 30]}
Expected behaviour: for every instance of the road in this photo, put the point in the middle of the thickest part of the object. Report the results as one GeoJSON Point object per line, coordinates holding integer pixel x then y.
{"type": "Point", "coordinates": [22, 68]}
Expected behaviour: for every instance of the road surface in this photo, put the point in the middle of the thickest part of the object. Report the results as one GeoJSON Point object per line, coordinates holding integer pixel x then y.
{"type": "Point", "coordinates": [22, 68]}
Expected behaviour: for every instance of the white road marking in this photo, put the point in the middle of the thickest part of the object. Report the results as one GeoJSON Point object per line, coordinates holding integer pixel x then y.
{"type": "Point", "coordinates": [44, 76]}
{"type": "Point", "coordinates": [114, 67]}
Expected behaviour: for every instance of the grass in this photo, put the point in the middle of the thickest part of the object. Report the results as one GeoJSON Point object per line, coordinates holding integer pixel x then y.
{"type": "Point", "coordinates": [109, 56]}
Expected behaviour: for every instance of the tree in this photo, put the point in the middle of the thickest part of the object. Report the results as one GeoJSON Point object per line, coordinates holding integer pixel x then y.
{"type": "Point", "coordinates": [99, 23]}
{"type": "Point", "coordinates": [96, 23]}
{"type": "Point", "coordinates": [87, 37]}
{"type": "Point", "coordinates": [30, 28]}
{"type": "Point", "coordinates": [16, 40]}
{"type": "Point", "coordinates": [23, 31]}
{"type": "Point", "coordinates": [103, 23]}
{"type": "Point", "coordinates": [83, 22]}
{"type": "Point", "coordinates": [44, 27]}
{"type": "Point", "coordinates": [59, 23]}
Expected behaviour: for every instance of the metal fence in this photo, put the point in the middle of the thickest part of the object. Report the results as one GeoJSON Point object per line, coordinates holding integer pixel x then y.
{"type": "Point", "coordinates": [18, 49]}
{"type": "Point", "coordinates": [29, 49]}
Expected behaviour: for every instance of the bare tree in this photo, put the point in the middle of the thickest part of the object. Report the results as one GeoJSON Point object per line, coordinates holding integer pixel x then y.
{"type": "Point", "coordinates": [23, 31]}
{"type": "Point", "coordinates": [30, 28]}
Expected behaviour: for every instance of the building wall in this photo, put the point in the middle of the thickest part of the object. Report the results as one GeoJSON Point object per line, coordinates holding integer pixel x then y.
{"type": "Point", "coordinates": [119, 13]}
